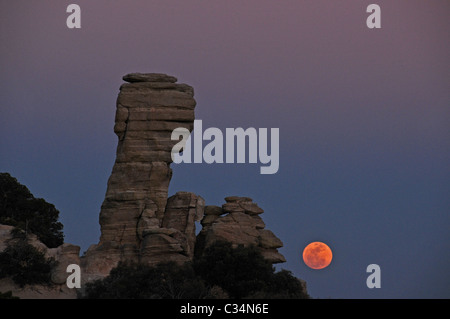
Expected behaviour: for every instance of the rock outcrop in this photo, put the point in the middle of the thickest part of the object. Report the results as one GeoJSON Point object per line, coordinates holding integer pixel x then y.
{"type": "Point", "coordinates": [239, 223]}
{"type": "Point", "coordinates": [138, 222]}
{"type": "Point", "coordinates": [175, 239]}
{"type": "Point", "coordinates": [132, 218]}
{"type": "Point", "coordinates": [137, 219]}
{"type": "Point", "coordinates": [63, 255]}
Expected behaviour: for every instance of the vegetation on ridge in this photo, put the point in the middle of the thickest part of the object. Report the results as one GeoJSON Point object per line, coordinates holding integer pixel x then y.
{"type": "Point", "coordinates": [221, 272]}
{"type": "Point", "coordinates": [19, 208]}
{"type": "Point", "coordinates": [25, 264]}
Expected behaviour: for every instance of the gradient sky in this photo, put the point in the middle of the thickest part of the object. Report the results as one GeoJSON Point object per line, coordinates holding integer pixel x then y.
{"type": "Point", "coordinates": [364, 118]}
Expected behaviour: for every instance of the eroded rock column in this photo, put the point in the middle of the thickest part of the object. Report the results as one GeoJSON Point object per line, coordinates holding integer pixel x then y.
{"type": "Point", "coordinates": [239, 223]}
{"type": "Point", "coordinates": [149, 107]}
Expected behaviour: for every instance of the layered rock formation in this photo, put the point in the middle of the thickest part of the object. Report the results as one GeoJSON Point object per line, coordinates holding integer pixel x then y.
{"type": "Point", "coordinates": [238, 222]}
{"type": "Point", "coordinates": [149, 108]}
{"type": "Point", "coordinates": [138, 221]}
{"type": "Point", "coordinates": [175, 239]}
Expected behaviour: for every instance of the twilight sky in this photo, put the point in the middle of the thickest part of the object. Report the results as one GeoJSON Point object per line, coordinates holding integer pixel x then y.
{"type": "Point", "coordinates": [364, 119]}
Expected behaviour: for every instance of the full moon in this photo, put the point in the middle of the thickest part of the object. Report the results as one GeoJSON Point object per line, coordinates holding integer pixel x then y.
{"type": "Point", "coordinates": [317, 255]}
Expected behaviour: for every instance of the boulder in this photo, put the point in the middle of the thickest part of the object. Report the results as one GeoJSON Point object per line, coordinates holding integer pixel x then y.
{"type": "Point", "coordinates": [63, 256]}
{"type": "Point", "coordinates": [149, 77]}
{"type": "Point", "coordinates": [241, 225]}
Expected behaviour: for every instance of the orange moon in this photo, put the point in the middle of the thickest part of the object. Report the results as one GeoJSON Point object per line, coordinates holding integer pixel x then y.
{"type": "Point", "coordinates": [317, 255]}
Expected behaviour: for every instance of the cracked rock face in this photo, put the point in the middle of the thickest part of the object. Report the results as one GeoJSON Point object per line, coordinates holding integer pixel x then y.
{"type": "Point", "coordinates": [138, 221]}
{"type": "Point", "coordinates": [149, 107]}
{"type": "Point", "coordinates": [238, 222]}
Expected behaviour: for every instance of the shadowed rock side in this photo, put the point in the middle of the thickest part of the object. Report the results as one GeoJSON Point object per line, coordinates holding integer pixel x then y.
{"type": "Point", "coordinates": [64, 254]}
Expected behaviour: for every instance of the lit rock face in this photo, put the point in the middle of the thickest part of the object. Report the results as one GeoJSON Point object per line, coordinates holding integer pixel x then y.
{"type": "Point", "coordinates": [138, 221]}
{"type": "Point", "coordinates": [239, 225]}
{"type": "Point", "coordinates": [149, 108]}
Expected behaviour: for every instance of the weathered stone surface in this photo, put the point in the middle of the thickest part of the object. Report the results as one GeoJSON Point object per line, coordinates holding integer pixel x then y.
{"type": "Point", "coordinates": [267, 239]}
{"type": "Point", "coordinates": [232, 207]}
{"type": "Point", "coordinates": [54, 291]}
{"type": "Point", "coordinates": [138, 86]}
{"type": "Point", "coordinates": [160, 247]}
{"type": "Point", "coordinates": [156, 98]}
{"type": "Point", "coordinates": [241, 204]}
{"type": "Point", "coordinates": [236, 199]}
{"type": "Point", "coordinates": [139, 223]}
{"type": "Point", "coordinates": [273, 256]}
{"type": "Point", "coordinates": [241, 226]}
{"type": "Point", "coordinates": [135, 222]}
{"type": "Point", "coordinates": [149, 77]}
{"type": "Point", "coordinates": [182, 211]}
{"type": "Point", "coordinates": [63, 255]}
{"type": "Point", "coordinates": [236, 229]}
{"type": "Point", "coordinates": [158, 114]}
{"type": "Point", "coordinates": [147, 220]}
{"type": "Point", "coordinates": [143, 158]}
{"type": "Point", "coordinates": [209, 219]}
{"type": "Point", "coordinates": [258, 222]}
{"type": "Point", "coordinates": [251, 208]}
{"type": "Point", "coordinates": [101, 258]}
{"type": "Point", "coordinates": [214, 210]}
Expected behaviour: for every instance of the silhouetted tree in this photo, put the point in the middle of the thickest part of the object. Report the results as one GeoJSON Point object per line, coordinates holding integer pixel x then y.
{"type": "Point", "coordinates": [137, 281]}
{"type": "Point", "coordinates": [240, 271]}
{"type": "Point", "coordinates": [222, 271]}
{"type": "Point", "coordinates": [25, 264]}
{"type": "Point", "coordinates": [282, 285]}
{"type": "Point", "coordinates": [19, 208]}
{"type": "Point", "coordinates": [7, 295]}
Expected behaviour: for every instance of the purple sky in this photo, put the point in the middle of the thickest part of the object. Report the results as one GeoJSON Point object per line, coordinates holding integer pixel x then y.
{"type": "Point", "coordinates": [364, 119]}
